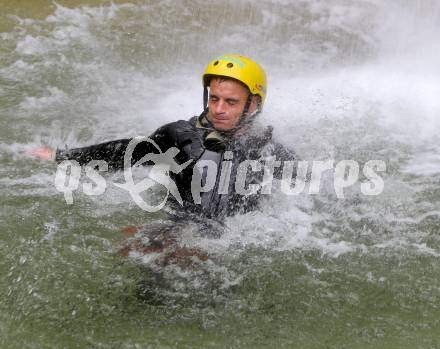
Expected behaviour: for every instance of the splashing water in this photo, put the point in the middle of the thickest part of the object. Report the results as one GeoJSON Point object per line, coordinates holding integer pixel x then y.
{"type": "Point", "coordinates": [347, 80]}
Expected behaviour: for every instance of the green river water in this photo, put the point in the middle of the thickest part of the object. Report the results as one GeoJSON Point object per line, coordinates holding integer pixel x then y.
{"type": "Point", "coordinates": [348, 79]}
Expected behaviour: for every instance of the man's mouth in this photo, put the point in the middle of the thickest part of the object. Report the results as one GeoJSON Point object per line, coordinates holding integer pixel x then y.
{"type": "Point", "coordinates": [220, 118]}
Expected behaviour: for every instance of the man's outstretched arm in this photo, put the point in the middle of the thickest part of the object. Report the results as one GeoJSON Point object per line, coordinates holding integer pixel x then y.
{"type": "Point", "coordinates": [112, 152]}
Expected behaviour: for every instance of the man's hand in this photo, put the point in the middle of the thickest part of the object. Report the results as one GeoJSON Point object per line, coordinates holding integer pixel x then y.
{"type": "Point", "coordinates": [42, 153]}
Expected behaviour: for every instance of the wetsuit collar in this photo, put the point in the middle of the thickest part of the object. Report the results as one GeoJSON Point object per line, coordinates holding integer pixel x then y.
{"type": "Point", "coordinates": [214, 139]}
{"type": "Point", "coordinates": [248, 133]}
{"type": "Point", "coordinates": [241, 128]}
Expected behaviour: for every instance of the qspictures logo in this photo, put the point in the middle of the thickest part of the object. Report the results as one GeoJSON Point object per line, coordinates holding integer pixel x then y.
{"type": "Point", "coordinates": [297, 177]}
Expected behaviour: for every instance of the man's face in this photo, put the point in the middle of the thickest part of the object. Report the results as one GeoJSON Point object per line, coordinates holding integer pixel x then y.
{"type": "Point", "coordinates": [227, 99]}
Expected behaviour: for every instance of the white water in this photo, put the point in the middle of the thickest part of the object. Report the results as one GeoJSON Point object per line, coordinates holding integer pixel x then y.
{"type": "Point", "coordinates": [346, 80]}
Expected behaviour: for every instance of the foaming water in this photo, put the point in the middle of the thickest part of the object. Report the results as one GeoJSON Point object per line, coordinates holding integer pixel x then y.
{"type": "Point", "coordinates": [82, 89]}
{"type": "Point", "coordinates": [424, 163]}
{"type": "Point", "coordinates": [347, 80]}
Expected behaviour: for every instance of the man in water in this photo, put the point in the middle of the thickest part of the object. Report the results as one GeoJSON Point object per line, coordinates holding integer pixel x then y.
{"type": "Point", "coordinates": [225, 133]}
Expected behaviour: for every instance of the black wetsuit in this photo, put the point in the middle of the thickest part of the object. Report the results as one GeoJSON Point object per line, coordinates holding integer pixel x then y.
{"type": "Point", "coordinates": [197, 140]}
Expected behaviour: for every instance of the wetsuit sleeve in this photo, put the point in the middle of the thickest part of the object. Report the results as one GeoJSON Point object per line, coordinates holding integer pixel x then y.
{"type": "Point", "coordinates": [113, 152]}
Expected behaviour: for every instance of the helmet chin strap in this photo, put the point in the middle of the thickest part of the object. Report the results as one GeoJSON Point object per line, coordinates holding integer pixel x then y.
{"type": "Point", "coordinates": [246, 117]}
{"type": "Point", "coordinates": [205, 97]}
{"type": "Point", "coordinates": [247, 105]}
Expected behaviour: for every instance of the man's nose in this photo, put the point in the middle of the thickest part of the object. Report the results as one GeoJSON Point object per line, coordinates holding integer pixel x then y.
{"type": "Point", "coordinates": [220, 107]}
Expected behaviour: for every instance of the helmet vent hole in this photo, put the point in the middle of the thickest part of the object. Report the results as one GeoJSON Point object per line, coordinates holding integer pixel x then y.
{"type": "Point", "coordinates": [215, 63]}
{"type": "Point", "coordinates": [229, 65]}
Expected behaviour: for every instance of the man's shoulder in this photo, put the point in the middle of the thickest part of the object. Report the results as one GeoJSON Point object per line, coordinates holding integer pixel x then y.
{"type": "Point", "coordinates": [176, 133]}
{"type": "Point", "coordinates": [262, 137]}
{"type": "Point", "coordinates": [281, 151]}
{"type": "Point", "coordinates": [178, 125]}
{"type": "Point", "coordinates": [191, 122]}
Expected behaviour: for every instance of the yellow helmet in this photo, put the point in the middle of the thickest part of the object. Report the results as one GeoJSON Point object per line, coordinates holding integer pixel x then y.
{"type": "Point", "coordinates": [240, 68]}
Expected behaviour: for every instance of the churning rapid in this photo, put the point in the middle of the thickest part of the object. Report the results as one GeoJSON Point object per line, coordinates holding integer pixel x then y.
{"type": "Point", "coordinates": [348, 79]}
